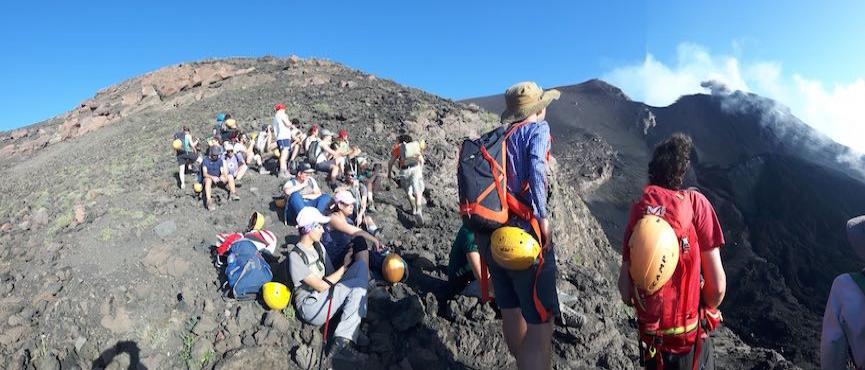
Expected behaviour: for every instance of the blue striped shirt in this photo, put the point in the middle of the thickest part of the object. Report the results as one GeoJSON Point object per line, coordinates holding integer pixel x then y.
{"type": "Point", "coordinates": [527, 164]}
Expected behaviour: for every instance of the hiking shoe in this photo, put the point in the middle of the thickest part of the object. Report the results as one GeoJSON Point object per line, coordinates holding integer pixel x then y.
{"type": "Point", "coordinates": [210, 205]}
{"type": "Point", "coordinates": [342, 351]}
{"type": "Point", "coordinates": [182, 186]}
{"type": "Point", "coordinates": [263, 171]}
{"type": "Point", "coordinates": [235, 196]}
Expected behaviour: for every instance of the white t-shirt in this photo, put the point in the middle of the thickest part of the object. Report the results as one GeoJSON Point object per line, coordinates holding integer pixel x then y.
{"type": "Point", "coordinates": [280, 120]}
{"type": "Point", "coordinates": [310, 187]}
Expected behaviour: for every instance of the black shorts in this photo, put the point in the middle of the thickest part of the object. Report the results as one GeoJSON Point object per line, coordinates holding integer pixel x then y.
{"type": "Point", "coordinates": [325, 166]}
{"type": "Point", "coordinates": [514, 289]}
{"type": "Point", "coordinates": [186, 158]}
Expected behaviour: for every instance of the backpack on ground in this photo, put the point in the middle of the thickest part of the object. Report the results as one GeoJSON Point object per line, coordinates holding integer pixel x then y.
{"type": "Point", "coordinates": [313, 151]}
{"type": "Point", "coordinates": [246, 270]}
{"type": "Point", "coordinates": [669, 319]}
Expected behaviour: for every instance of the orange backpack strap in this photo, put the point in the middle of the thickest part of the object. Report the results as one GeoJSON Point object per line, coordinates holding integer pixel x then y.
{"type": "Point", "coordinates": [485, 281]}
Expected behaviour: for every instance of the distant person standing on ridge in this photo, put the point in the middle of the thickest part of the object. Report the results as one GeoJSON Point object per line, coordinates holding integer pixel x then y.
{"type": "Point", "coordinates": [527, 318]}
{"type": "Point", "coordinates": [843, 337]}
{"type": "Point", "coordinates": [676, 308]}
{"type": "Point", "coordinates": [284, 130]}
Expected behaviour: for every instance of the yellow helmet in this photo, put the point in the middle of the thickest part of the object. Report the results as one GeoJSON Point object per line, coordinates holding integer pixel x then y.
{"type": "Point", "coordinates": [231, 123]}
{"type": "Point", "coordinates": [253, 136]}
{"type": "Point", "coordinates": [256, 222]}
{"type": "Point", "coordinates": [276, 153]}
{"type": "Point", "coordinates": [654, 253]}
{"type": "Point", "coordinates": [394, 269]}
{"type": "Point", "coordinates": [276, 295]}
{"type": "Point", "coordinates": [177, 144]}
{"type": "Point", "coordinates": [197, 187]}
{"type": "Point", "coordinates": [513, 248]}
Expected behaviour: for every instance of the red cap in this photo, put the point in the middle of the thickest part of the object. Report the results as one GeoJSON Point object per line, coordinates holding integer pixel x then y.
{"type": "Point", "coordinates": [279, 106]}
{"type": "Point", "coordinates": [342, 134]}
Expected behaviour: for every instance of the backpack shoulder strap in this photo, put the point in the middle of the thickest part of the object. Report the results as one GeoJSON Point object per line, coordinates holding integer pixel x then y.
{"type": "Point", "coordinates": [320, 250]}
{"type": "Point", "coordinates": [302, 255]}
{"type": "Point", "coordinates": [859, 279]}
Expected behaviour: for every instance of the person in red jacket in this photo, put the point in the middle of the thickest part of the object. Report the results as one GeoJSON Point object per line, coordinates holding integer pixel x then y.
{"type": "Point", "coordinates": [674, 339]}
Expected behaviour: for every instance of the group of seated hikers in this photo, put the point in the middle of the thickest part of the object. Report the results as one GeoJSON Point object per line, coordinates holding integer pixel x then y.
{"type": "Point", "coordinates": [671, 260]}
{"type": "Point", "coordinates": [338, 238]}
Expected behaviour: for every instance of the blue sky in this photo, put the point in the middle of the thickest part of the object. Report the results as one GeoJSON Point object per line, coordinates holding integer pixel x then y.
{"type": "Point", "coordinates": [58, 54]}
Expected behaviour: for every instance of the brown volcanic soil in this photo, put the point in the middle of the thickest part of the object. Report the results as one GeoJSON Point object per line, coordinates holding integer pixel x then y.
{"type": "Point", "coordinates": [106, 263]}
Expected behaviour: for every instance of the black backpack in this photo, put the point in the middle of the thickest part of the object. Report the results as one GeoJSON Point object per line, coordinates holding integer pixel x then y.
{"type": "Point", "coordinates": [313, 151]}
{"type": "Point", "coordinates": [482, 179]}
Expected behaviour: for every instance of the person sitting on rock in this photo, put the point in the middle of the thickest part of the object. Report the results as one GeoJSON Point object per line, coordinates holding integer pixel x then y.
{"type": "Point", "coordinates": [342, 235]}
{"type": "Point", "coordinates": [187, 156]}
{"type": "Point", "coordinates": [317, 282]}
{"type": "Point", "coordinates": [360, 192]}
{"type": "Point", "coordinates": [303, 191]}
{"type": "Point", "coordinates": [464, 265]}
{"type": "Point", "coordinates": [297, 139]}
{"type": "Point", "coordinates": [843, 335]}
{"type": "Point", "coordinates": [409, 155]}
{"type": "Point", "coordinates": [367, 174]}
{"type": "Point", "coordinates": [263, 148]}
{"type": "Point", "coordinates": [327, 160]}
{"type": "Point", "coordinates": [234, 161]}
{"type": "Point", "coordinates": [220, 121]}
{"type": "Point", "coordinates": [230, 131]}
{"type": "Point", "coordinates": [214, 171]}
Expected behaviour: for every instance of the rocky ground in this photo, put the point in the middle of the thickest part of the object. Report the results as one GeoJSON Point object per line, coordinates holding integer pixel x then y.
{"type": "Point", "coordinates": [106, 263]}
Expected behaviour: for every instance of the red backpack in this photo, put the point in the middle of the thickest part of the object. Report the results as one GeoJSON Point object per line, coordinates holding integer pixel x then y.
{"type": "Point", "coordinates": [668, 319]}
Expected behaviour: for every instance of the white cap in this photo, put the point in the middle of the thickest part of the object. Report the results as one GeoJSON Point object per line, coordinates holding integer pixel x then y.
{"type": "Point", "coordinates": [344, 197]}
{"type": "Point", "coordinates": [310, 215]}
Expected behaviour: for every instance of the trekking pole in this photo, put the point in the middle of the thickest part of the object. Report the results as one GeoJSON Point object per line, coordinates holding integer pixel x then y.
{"type": "Point", "coordinates": [326, 324]}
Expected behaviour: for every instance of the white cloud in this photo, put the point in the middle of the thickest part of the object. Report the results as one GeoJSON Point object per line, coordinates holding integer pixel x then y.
{"type": "Point", "coordinates": [837, 111]}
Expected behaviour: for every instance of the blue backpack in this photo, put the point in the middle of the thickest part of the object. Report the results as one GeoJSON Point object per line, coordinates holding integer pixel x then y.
{"type": "Point", "coordinates": [246, 270]}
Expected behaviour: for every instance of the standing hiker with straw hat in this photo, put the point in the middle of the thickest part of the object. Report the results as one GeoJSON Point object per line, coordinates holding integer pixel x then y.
{"type": "Point", "coordinates": [843, 336]}
{"type": "Point", "coordinates": [528, 297]}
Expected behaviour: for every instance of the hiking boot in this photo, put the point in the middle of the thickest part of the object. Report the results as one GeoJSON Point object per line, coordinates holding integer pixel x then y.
{"type": "Point", "coordinates": [235, 197]}
{"type": "Point", "coordinates": [342, 351]}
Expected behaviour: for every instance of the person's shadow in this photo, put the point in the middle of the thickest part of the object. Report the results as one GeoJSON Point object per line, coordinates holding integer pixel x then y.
{"type": "Point", "coordinates": [129, 347]}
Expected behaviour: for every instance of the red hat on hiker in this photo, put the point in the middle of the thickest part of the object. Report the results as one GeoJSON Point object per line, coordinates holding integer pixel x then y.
{"type": "Point", "coordinates": [279, 107]}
